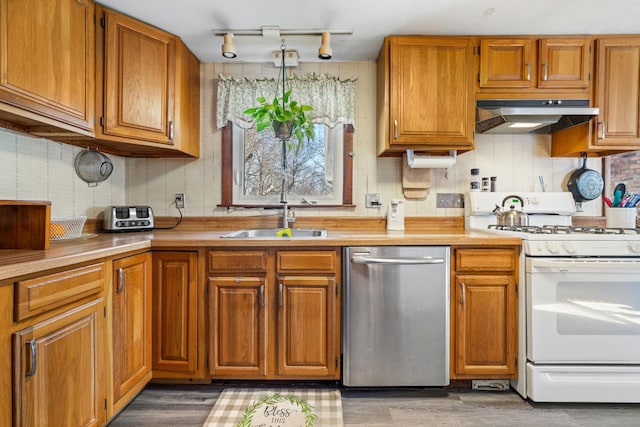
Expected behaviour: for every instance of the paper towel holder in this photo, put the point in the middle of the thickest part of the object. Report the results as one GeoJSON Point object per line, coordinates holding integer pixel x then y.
{"type": "Point", "coordinates": [431, 161]}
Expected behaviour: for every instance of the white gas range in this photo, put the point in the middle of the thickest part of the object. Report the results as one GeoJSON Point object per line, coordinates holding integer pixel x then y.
{"type": "Point", "coordinates": [579, 317]}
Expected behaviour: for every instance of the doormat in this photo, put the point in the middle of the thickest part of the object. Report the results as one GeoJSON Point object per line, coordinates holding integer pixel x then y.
{"type": "Point", "coordinates": [281, 407]}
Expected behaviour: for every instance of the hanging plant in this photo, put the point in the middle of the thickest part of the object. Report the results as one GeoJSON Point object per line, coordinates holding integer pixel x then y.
{"type": "Point", "coordinates": [285, 118]}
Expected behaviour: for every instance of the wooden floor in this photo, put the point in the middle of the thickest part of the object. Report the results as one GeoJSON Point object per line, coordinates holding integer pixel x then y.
{"type": "Point", "coordinates": [187, 406]}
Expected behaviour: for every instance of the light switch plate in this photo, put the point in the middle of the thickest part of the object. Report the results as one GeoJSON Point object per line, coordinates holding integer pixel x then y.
{"type": "Point", "coordinates": [450, 200]}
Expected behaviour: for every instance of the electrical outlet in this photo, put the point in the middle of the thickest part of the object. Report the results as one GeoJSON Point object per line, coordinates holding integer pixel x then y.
{"type": "Point", "coordinates": [373, 200]}
{"type": "Point", "coordinates": [450, 200]}
{"type": "Point", "coordinates": [180, 200]}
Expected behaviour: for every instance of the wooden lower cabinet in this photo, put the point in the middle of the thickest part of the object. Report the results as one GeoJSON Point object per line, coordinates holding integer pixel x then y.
{"type": "Point", "coordinates": [58, 372]}
{"type": "Point", "coordinates": [131, 327]}
{"type": "Point", "coordinates": [484, 313]}
{"type": "Point", "coordinates": [177, 303]}
{"type": "Point", "coordinates": [277, 316]}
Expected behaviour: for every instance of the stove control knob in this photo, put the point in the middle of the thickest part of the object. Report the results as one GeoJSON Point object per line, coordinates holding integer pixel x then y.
{"type": "Point", "coordinates": [635, 247]}
{"type": "Point", "coordinates": [569, 247]}
{"type": "Point", "coordinates": [552, 247]}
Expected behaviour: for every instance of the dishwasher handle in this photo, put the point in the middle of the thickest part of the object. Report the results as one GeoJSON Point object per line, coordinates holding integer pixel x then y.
{"type": "Point", "coordinates": [396, 261]}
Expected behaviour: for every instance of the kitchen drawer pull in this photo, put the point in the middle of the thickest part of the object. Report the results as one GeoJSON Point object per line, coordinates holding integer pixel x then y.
{"type": "Point", "coordinates": [395, 129]}
{"type": "Point", "coordinates": [171, 130]}
{"type": "Point", "coordinates": [463, 292]}
{"type": "Point", "coordinates": [404, 261]}
{"type": "Point", "coordinates": [528, 72]}
{"type": "Point", "coordinates": [33, 350]}
{"type": "Point", "coordinates": [261, 295]}
{"type": "Point", "coordinates": [545, 76]}
{"type": "Point", "coordinates": [603, 129]}
{"type": "Point", "coordinates": [280, 295]}
{"type": "Point", "coordinates": [120, 280]}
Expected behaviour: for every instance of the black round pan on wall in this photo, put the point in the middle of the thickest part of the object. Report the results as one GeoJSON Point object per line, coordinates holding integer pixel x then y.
{"type": "Point", "coordinates": [585, 184]}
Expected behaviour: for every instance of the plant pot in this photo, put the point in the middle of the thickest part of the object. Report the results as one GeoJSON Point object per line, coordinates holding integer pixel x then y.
{"type": "Point", "coordinates": [282, 130]}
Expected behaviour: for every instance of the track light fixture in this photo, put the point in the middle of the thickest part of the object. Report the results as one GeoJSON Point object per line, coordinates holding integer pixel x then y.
{"type": "Point", "coordinates": [228, 48]}
{"type": "Point", "coordinates": [273, 31]}
{"type": "Point", "coordinates": [325, 47]}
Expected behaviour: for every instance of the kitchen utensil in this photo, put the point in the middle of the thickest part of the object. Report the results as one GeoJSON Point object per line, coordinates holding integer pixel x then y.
{"type": "Point", "coordinates": [618, 194]}
{"type": "Point", "coordinates": [93, 167]}
{"type": "Point", "coordinates": [585, 184]}
{"type": "Point", "coordinates": [512, 217]}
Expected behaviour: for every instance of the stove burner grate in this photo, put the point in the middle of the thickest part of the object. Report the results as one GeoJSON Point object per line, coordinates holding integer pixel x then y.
{"type": "Point", "coordinates": [563, 229]}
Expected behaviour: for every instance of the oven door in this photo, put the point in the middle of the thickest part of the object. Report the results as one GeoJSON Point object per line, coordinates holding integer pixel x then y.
{"type": "Point", "coordinates": [583, 310]}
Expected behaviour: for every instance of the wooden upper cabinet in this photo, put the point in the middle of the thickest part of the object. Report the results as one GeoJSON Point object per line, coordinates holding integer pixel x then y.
{"type": "Point", "coordinates": [535, 67]}
{"type": "Point", "coordinates": [139, 79]}
{"type": "Point", "coordinates": [506, 63]}
{"type": "Point", "coordinates": [425, 94]}
{"type": "Point", "coordinates": [564, 62]}
{"type": "Point", "coordinates": [148, 102]}
{"type": "Point", "coordinates": [618, 91]}
{"type": "Point", "coordinates": [47, 63]}
{"type": "Point", "coordinates": [617, 95]}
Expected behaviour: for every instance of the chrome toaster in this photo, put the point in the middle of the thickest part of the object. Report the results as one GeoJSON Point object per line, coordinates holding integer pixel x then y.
{"type": "Point", "coordinates": [128, 218]}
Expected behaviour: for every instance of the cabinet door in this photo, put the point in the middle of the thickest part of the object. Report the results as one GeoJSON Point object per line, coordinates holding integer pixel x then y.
{"type": "Point", "coordinates": [431, 93]}
{"type": "Point", "coordinates": [175, 312]}
{"type": "Point", "coordinates": [139, 73]}
{"type": "Point", "coordinates": [237, 329]}
{"type": "Point", "coordinates": [564, 62]}
{"type": "Point", "coordinates": [131, 325]}
{"type": "Point", "coordinates": [58, 370]}
{"type": "Point", "coordinates": [506, 63]}
{"type": "Point", "coordinates": [618, 92]}
{"type": "Point", "coordinates": [47, 59]}
{"type": "Point", "coordinates": [307, 327]}
{"type": "Point", "coordinates": [486, 324]}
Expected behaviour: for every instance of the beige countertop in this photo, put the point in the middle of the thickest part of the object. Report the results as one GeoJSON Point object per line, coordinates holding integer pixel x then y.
{"type": "Point", "coordinates": [14, 263]}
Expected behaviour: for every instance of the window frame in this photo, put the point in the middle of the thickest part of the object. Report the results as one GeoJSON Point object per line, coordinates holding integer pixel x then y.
{"type": "Point", "coordinates": [226, 199]}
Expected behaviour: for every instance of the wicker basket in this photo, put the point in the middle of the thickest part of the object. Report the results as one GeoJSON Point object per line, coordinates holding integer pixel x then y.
{"type": "Point", "coordinates": [69, 227]}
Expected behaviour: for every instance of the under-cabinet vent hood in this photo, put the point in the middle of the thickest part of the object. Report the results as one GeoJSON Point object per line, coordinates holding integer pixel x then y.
{"type": "Point", "coordinates": [531, 116]}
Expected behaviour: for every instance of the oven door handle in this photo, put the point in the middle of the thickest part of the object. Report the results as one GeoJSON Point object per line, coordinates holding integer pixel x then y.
{"type": "Point", "coordinates": [574, 266]}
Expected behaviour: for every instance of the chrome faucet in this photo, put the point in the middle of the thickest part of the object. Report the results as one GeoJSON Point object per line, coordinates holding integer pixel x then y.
{"type": "Point", "coordinates": [286, 216]}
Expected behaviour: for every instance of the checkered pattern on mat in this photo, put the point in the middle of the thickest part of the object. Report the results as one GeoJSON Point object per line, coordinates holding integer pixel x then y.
{"type": "Point", "coordinates": [228, 409]}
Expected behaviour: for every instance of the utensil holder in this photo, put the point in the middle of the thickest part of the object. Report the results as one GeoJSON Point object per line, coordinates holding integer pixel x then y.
{"type": "Point", "coordinates": [621, 217]}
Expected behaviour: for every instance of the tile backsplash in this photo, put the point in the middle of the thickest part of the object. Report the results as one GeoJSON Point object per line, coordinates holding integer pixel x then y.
{"type": "Point", "coordinates": [33, 168]}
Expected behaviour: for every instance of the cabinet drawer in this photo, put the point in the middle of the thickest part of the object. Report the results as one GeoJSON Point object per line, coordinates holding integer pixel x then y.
{"type": "Point", "coordinates": [306, 261]}
{"type": "Point", "coordinates": [35, 296]}
{"type": "Point", "coordinates": [485, 260]}
{"type": "Point", "coordinates": [253, 261]}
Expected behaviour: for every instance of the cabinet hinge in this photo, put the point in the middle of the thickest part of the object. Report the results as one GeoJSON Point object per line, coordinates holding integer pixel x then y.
{"type": "Point", "coordinates": [104, 309]}
{"type": "Point", "coordinates": [516, 287]}
{"type": "Point", "coordinates": [105, 404]}
{"type": "Point", "coordinates": [102, 121]}
{"type": "Point", "coordinates": [478, 50]}
{"type": "Point", "coordinates": [336, 361]}
{"type": "Point", "coordinates": [478, 77]}
{"type": "Point", "coordinates": [102, 22]}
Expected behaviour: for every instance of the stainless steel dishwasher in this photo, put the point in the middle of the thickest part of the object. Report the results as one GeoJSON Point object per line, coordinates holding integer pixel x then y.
{"type": "Point", "coordinates": [396, 316]}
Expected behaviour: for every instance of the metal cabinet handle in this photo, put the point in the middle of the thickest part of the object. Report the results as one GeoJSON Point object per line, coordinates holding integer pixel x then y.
{"type": "Point", "coordinates": [280, 295]}
{"type": "Point", "coordinates": [529, 72]}
{"type": "Point", "coordinates": [395, 129]}
{"type": "Point", "coordinates": [33, 350]}
{"type": "Point", "coordinates": [120, 280]}
{"type": "Point", "coordinates": [463, 292]}
{"type": "Point", "coordinates": [546, 72]}
{"type": "Point", "coordinates": [603, 127]}
{"type": "Point", "coordinates": [261, 295]}
{"type": "Point", "coordinates": [171, 130]}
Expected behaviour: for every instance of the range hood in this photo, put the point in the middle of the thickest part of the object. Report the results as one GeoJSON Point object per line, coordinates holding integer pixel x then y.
{"type": "Point", "coordinates": [531, 116]}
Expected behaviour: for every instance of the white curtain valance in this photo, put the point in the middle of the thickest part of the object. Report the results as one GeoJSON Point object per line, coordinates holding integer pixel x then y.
{"type": "Point", "coordinates": [332, 99]}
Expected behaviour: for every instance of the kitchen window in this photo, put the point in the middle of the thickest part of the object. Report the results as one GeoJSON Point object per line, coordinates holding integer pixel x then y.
{"type": "Point", "coordinates": [319, 174]}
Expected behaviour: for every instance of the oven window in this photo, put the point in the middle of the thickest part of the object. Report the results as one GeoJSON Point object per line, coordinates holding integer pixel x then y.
{"type": "Point", "coordinates": [597, 308]}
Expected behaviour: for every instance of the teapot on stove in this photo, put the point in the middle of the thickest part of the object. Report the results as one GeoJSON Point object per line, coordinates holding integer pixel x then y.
{"type": "Point", "coordinates": [512, 217]}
